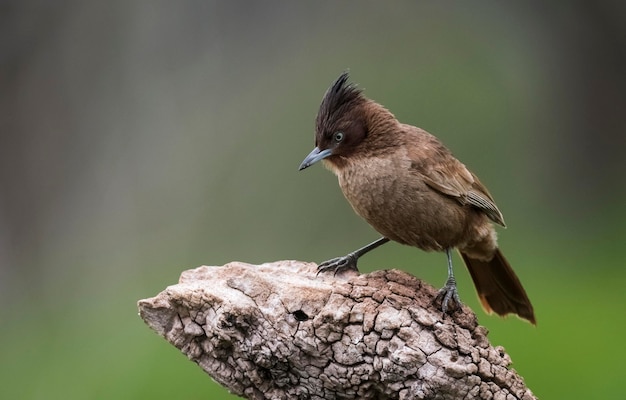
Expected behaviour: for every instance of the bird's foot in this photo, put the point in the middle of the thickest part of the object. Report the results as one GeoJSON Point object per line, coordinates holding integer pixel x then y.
{"type": "Point", "coordinates": [447, 293]}
{"type": "Point", "coordinates": [338, 264]}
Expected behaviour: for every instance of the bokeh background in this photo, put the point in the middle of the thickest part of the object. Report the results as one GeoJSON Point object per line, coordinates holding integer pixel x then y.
{"type": "Point", "coordinates": [142, 138]}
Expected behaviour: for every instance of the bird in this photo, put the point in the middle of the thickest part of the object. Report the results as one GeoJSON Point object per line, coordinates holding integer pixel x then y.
{"type": "Point", "coordinates": [411, 189]}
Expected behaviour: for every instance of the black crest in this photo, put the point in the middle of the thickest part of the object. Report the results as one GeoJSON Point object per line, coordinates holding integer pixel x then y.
{"type": "Point", "coordinates": [337, 100]}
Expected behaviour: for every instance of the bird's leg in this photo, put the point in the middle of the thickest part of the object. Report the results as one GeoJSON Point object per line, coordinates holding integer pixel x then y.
{"type": "Point", "coordinates": [449, 290]}
{"type": "Point", "coordinates": [349, 261]}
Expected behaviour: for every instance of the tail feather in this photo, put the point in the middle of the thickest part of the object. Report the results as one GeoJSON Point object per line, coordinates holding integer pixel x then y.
{"type": "Point", "coordinates": [499, 289]}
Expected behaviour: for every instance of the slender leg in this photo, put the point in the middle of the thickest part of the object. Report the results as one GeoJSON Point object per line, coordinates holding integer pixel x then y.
{"type": "Point", "coordinates": [449, 291]}
{"type": "Point", "coordinates": [350, 260]}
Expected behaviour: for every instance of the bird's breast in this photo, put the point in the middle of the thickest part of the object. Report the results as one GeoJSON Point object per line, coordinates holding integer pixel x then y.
{"type": "Point", "coordinates": [370, 184]}
{"type": "Point", "coordinates": [394, 201]}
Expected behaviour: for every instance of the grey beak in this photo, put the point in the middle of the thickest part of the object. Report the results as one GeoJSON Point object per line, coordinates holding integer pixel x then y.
{"type": "Point", "coordinates": [313, 157]}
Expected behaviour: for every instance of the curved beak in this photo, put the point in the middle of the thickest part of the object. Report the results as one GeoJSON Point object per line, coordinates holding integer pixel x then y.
{"type": "Point", "coordinates": [313, 157]}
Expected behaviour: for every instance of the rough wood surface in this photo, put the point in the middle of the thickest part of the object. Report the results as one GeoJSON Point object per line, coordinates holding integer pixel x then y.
{"type": "Point", "coordinates": [278, 331]}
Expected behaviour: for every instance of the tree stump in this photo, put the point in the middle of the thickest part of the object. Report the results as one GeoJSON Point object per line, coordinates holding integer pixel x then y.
{"type": "Point", "coordinates": [279, 331]}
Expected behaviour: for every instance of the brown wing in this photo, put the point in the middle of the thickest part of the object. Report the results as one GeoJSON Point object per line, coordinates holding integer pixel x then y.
{"type": "Point", "coordinates": [480, 197]}
{"type": "Point", "coordinates": [450, 177]}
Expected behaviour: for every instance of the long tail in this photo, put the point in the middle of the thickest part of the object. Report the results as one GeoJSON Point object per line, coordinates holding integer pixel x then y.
{"type": "Point", "coordinates": [499, 289]}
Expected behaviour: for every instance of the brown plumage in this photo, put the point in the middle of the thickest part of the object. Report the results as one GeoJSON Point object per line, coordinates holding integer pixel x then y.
{"type": "Point", "coordinates": [407, 185]}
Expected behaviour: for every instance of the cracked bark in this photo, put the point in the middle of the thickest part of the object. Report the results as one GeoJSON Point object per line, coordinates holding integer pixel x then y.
{"type": "Point", "coordinates": [278, 331]}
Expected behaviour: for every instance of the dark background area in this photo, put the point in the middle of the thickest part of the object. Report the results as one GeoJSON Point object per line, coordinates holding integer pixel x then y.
{"type": "Point", "coordinates": [142, 138]}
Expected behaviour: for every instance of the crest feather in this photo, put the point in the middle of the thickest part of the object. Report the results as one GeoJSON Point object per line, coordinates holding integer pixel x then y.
{"type": "Point", "coordinates": [337, 99]}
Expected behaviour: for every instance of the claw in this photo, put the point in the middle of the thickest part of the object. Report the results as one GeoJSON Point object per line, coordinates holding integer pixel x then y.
{"type": "Point", "coordinates": [447, 293]}
{"type": "Point", "coordinates": [349, 261]}
{"type": "Point", "coordinates": [338, 264]}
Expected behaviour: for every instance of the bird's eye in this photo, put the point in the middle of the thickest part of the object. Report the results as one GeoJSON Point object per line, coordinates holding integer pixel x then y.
{"type": "Point", "coordinates": [338, 137]}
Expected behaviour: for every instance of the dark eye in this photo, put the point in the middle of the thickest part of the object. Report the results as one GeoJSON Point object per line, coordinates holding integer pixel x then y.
{"type": "Point", "coordinates": [338, 137]}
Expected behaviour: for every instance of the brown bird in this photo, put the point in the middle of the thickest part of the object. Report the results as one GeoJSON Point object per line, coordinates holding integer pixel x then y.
{"type": "Point", "coordinates": [409, 187]}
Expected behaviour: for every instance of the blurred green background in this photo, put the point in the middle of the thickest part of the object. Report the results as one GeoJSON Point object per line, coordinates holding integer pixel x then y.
{"type": "Point", "coordinates": [142, 138]}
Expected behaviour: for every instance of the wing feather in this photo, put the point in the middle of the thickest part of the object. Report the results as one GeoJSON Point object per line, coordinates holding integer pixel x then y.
{"type": "Point", "coordinates": [450, 177]}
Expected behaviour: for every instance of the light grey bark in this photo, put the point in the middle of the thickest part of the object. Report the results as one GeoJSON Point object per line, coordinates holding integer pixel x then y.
{"type": "Point", "coordinates": [278, 331]}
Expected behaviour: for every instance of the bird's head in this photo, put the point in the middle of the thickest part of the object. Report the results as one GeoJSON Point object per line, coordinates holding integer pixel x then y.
{"type": "Point", "coordinates": [346, 124]}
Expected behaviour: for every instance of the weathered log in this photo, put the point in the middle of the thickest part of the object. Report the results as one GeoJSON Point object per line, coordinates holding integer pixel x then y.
{"type": "Point", "coordinates": [279, 331]}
